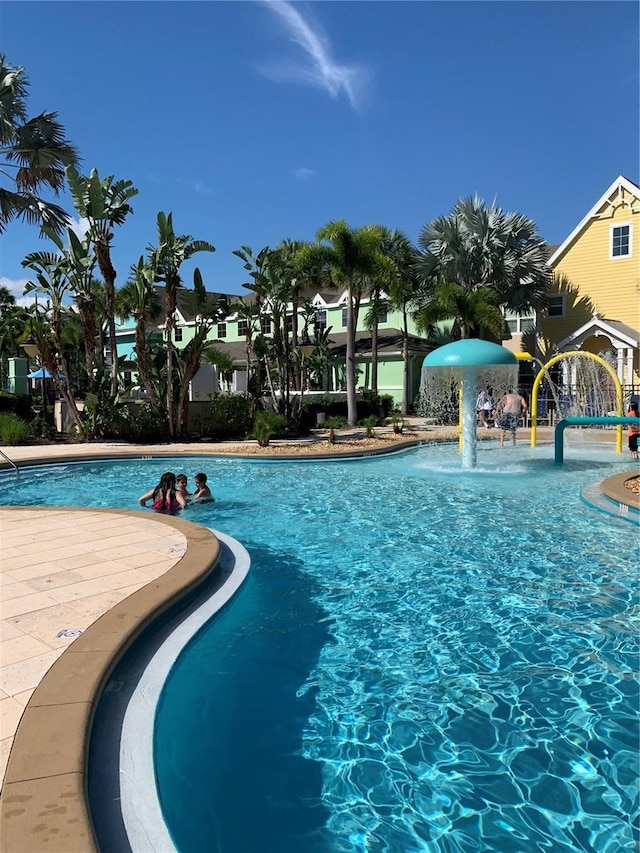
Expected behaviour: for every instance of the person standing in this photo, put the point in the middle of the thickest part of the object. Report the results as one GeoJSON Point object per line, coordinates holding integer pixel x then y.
{"type": "Point", "coordinates": [633, 431]}
{"type": "Point", "coordinates": [510, 410]}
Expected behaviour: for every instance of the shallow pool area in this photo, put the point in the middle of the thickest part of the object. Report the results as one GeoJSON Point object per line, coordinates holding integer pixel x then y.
{"type": "Point", "coordinates": [421, 658]}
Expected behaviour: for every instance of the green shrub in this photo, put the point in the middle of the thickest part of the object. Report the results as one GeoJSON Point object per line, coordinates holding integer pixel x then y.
{"type": "Point", "coordinates": [17, 404]}
{"type": "Point", "coordinates": [332, 424]}
{"type": "Point", "coordinates": [13, 430]}
{"type": "Point", "coordinates": [266, 425]}
{"type": "Point", "coordinates": [370, 423]}
{"type": "Point", "coordinates": [227, 416]}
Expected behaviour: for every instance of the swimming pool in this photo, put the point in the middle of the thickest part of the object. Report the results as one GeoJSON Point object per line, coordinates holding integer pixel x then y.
{"type": "Point", "coordinates": [421, 659]}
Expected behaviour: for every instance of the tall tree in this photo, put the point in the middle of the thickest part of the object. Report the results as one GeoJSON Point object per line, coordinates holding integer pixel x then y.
{"type": "Point", "coordinates": [139, 299]}
{"type": "Point", "coordinates": [351, 255]}
{"type": "Point", "coordinates": [403, 292]}
{"type": "Point", "coordinates": [104, 204]}
{"type": "Point", "coordinates": [478, 247]}
{"type": "Point", "coordinates": [52, 280]}
{"type": "Point", "coordinates": [165, 261]}
{"type": "Point", "coordinates": [34, 153]}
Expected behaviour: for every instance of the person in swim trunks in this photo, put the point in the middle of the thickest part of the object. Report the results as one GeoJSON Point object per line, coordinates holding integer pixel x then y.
{"type": "Point", "coordinates": [510, 409]}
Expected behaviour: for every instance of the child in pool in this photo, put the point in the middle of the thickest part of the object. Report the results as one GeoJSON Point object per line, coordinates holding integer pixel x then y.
{"type": "Point", "coordinates": [202, 492]}
{"type": "Point", "coordinates": [181, 486]}
{"type": "Point", "coordinates": [164, 495]}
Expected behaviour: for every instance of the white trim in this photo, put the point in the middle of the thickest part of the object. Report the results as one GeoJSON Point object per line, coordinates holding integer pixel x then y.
{"type": "Point", "coordinates": [629, 254]}
{"type": "Point", "coordinates": [141, 811]}
{"type": "Point", "coordinates": [620, 183]}
{"type": "Point", "coordinates": [589, 330]}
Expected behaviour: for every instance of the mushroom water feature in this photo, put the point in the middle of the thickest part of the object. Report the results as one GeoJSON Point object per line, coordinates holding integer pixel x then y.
{"type": "Point", "coordinates": [452, 377]}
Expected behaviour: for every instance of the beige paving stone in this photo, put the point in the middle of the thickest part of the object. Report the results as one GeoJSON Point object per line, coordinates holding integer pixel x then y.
{"type": "Point", "coordinates": [81, 561]}
{"type": "Point", "coordinates": [15, 590]}
{"type": "Point", "coordinates": [45, 625]}
{"type": "Point", "coordinates": [55, 581]}
{"type": "Point", "coordinates": [8, 631]}
{"type": "Point", "coordinates": [26, 675]}
{"type": "Point", "coordinates": [24, 696]}
{"type": "Point", "coordinates": [71, 549]}
{"type": "Point", "coordinates": [27, 604]}
{"type": "Point", "coordinates": [96, 605]}
{"type": "Point", "coordinates": [28, 570]}
{"type": "Point", "coordinates": [82, 589]}
{"type": "Point", "coordinates": [10, 712]}
{"type": "Point", "coordinates": [101, 569]}
{"type": "Point", "coordinates": [21, 648]}
{"type": "Point", "coordinates": [133, 576]}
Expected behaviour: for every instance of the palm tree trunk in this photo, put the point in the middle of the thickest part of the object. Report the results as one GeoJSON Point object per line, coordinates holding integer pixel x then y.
{"type": "Point", "coordinates": [144, 371]}
{"type": "Point", "coordinates": [405, 364]}
{"type": "Point", "coordinates": [374, 357]}
{"type": "Point", "coordinates": [350, 365]}
{"type": "Point", "coordinates": [109, 275]}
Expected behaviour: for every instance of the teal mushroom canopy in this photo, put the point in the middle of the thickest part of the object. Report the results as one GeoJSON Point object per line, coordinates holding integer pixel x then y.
{"type": "Point", "coordinates": [469, 352]}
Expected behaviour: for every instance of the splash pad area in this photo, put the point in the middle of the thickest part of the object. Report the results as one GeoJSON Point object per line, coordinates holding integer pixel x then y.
{"type": "Point", "coordinates": [453, 376]}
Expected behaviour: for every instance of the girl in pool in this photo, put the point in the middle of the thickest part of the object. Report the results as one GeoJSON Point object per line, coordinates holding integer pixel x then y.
{"type": "Point", "coordinates": [202, 492]}
{"type": "Point", "coordinates": [165, 496]}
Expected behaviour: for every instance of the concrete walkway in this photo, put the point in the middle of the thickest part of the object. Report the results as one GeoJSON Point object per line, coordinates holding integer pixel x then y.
{"type": "Point", "coordinates": [59, 572]}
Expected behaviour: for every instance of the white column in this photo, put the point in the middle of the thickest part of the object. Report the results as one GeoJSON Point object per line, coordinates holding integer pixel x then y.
{"type": "Point", "coordinates": [469, 438]}
{"type": "Point", "coordinates": [629, 366]}
{"type": "Point", "coordinates": [620, 367]}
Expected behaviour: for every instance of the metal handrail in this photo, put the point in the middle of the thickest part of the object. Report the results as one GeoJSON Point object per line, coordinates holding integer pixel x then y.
{"type": "Point", "coordinates": [9, 460]}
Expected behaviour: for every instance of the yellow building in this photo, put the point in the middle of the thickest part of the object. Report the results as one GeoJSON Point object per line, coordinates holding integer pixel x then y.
{"type": "Point", "coordinates": [595, 305]}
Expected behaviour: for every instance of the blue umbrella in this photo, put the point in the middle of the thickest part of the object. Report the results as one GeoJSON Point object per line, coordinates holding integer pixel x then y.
{"type": "Point", "coordinates": [41, 373]}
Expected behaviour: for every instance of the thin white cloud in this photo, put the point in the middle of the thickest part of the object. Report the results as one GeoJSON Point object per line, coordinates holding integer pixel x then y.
{"type": "Point", "coordinates": [16, 287]}
{"type": "Point", "coordinates": [304, 174]}
{"type": "Point", "coordinates": [317, 68]}
{"type": "Point", "coordinates": [79, 226]}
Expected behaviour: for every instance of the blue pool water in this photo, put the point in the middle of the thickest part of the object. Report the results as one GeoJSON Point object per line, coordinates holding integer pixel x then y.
{"type": "Point", "coordinates": [422, 659]}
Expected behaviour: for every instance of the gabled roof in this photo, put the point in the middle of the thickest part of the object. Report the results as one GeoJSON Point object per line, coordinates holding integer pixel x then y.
{"type": "Point", "coordinates": [611, 197]}
{"type": "Point", "coordinates": [612, 329]}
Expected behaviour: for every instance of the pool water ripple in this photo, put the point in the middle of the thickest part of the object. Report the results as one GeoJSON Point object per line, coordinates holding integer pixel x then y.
{"type": "Point", "coordinates": [421, 660]}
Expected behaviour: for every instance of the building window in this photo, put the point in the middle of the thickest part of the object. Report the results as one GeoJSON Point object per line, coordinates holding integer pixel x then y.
{"type": "Point", "coordinates": [321, 320]}
{"type": "Point", "coordinates": [242, 328]}
{"type": "Point", "coordinates": [222, 330]}
{"type": "Point", "coordinates": [383, 316]}
{"type": "Point", "coordinates": [344, 318]}
{"type": "Point", "coordinates": [290, 324]}
{"type": "Point", "coordinates": [265, 324]}
{"type": "Point", "coordinates": [126, 378]}
{"type": "Point", "coordinates": [519, 323]}
{"type": "Point", "coordinates": [177, 334]}
{"type": "Point", "coordinates": [556, 305]}
{"type": "Point", "coordinates": [620, 241]}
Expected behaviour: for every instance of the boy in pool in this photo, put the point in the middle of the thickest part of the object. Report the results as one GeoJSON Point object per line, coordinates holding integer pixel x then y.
{"type": "Point", "coordinates": [181, 486]}
{"type": "Point", "coordinates": [202, 492]}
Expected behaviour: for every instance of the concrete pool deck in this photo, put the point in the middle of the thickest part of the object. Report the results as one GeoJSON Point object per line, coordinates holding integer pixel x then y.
{"type": "Point", "coordinates": [87, 581]}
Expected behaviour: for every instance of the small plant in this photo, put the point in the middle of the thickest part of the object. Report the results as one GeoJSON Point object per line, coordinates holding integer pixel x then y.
{"type": "Point", "coordinates": [369, 423]}
{"type": "Point", "coordinates": [397, 422]}
{"type": "Point", "coordinates": [265, 425]}
{"type": "Point", "coordinates": [14, 430]}
{"type": "Point", "coordinates": [332, 424]}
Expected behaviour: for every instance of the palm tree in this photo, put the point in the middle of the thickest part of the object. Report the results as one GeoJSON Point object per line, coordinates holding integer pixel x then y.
{"type": "Point", "coordinates": [223, 362]}
{"type": "Point", "coordinates": [105, 204]}
{"type": "Point", "coordinates": [165, 261]}
{"type": "Point", "coordinates": [52, 280]}
{"type": "Point", "coordinates": [479, 247]}
{"type": "Point", "coordinates": [351, 255]}
{"type": "Point", "coordinates": [34, 153]}
{"type": "Point", "coordinates": [139, 299]}
{"type": "Point", "coordinates": [402, 291]}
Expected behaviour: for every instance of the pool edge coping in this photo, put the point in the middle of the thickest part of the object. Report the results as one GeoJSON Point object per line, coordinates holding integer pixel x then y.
{"type": "Point", "coordinates": [44, 793]}
{"type": "Point", "coordinates": [614, 488]}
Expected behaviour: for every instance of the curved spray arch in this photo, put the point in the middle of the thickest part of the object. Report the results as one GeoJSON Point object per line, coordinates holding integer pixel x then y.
{"type": "Point", "coordinates": [560, 357]}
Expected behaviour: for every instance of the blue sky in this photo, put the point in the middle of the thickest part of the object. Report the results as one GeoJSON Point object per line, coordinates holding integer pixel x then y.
{"type": "Point", "coordinates": [256, 121]}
